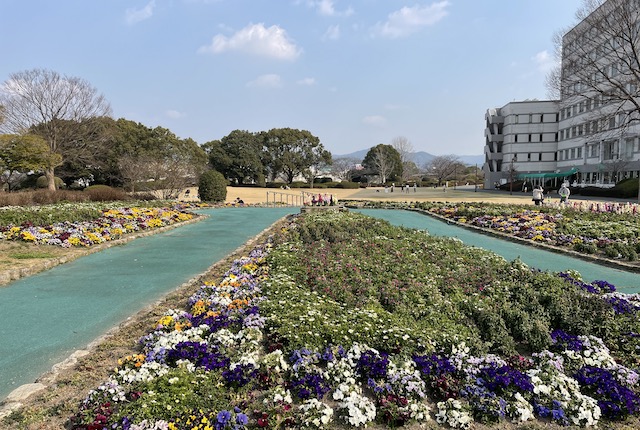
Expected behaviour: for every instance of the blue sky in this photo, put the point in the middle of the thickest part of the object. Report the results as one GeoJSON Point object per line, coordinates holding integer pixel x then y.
{"type": "Point", "coordinates": [355, 73]}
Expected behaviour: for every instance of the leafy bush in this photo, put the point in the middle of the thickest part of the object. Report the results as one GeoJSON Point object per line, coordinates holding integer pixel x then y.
{"type": "Point", "coordinates": [212, 186]}
{"type": "Point", "coordinates": [43, 182]}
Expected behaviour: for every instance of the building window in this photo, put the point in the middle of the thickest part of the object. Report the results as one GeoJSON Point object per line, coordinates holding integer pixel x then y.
{"type": "Point", "coordinates": [579, 153]}
{"type": "Point", "coordinates": [628, 146]}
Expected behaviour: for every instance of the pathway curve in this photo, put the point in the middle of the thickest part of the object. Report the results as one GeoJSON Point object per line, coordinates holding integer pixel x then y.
{"type": "Point", "coordinates": [46, 317]}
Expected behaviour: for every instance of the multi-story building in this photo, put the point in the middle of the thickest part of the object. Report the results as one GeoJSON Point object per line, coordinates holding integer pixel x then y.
{"type": "Point", "coordinates": [590, 136]}
{"type": "Point", "coordinates": [520, 137]}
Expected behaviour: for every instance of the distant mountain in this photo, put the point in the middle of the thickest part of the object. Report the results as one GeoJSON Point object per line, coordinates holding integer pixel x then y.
{"type": "Point", "coordinates": [420, 158]}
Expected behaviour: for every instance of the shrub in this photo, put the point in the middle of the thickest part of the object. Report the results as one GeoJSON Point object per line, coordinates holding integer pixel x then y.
{"type": "Point", "coordinates": [42, 182]}
{"type": "Point", "coordinates": [275, 184]}
{"type": "Point", "coordinates": [348, 185]}
{"type": "Point", "coordinates": [104, 193]}
{"type": "Point", "coordinates": [212, 186]}
{"type": "Point", "coordinates": [145, 196]}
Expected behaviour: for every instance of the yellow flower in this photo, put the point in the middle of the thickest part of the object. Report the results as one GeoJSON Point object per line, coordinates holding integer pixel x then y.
{"type": "Point", "coordinates": [165, 321]}
{"type": "Point", "coordinates": [28, 236]}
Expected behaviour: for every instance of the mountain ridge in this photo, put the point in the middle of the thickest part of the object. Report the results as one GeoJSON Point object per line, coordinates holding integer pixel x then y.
{"type": "Point", "coordinates": [420, 158]}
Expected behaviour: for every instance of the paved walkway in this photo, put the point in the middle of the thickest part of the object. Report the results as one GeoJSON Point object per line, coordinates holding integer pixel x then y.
{"type": "Point", "coordinates": [46, 317]}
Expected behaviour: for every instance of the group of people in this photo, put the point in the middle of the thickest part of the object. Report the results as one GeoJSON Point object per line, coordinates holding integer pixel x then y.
{"type": "Point", "coordinates": [403, 188]}
{"type": "Point", "coordinates": [322, 200]}
{"type": "Point", "coordinates": [538, 194]}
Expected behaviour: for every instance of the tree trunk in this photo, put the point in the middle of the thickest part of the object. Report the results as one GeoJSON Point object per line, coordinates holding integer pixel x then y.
{"type": "Point", "coordinates": [51, 178]}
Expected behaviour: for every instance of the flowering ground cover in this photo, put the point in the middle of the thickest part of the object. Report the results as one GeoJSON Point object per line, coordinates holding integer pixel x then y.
{"type": "Point", "coordinates": [607, 230]}
{"type": "Point", "coordinates": [84, 224]}
{"type": "Point", "coordinates": [341, 320]}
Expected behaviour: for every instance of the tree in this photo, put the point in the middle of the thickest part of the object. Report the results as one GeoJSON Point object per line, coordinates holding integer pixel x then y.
{"type": "Point", "coordinates": [237, 156]}
{"type": "Point", "coordinates": [212, 186]}
{"type": "Point", "coordinates": [138, 155]}
{"type": "Point", "coordinates": [342, 168]}
{"type": "Point", "coordinates": [405, 149]}
{"type": "Point", "coordinates": [291, 152]}
{"type": "Point", "coordinates": [53, 106]}
{"type": "Point", "coordinates": [444, 167]}
{"type": "Point", "coordinates": [177, 165]}
{"type": "Point", "coordinates": [385, 161]}
{"type": "Point", "coordinates": [134, 169]}
{"type": "Point", "coordinates": [22, 154]}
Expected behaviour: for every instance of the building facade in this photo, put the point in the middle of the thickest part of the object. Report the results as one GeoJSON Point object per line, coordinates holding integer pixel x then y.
{"type": "Point", "coordinates": [591, 135]}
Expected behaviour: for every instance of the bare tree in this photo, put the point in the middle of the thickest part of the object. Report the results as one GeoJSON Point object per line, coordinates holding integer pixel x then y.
{"type": "Point", "coordinates": [601, 64]}
{"type": "Point", "coordinates": [405, 149]}
{"type": "Point", "coordinates": [343, 167]}
{"type": "Point", "coordinates": [600, 75]}
{"type": "Point", "coordinates": [134, 169]}
{"type": "Point", "coordinates": [53, 106]}
{"type": "Point", "coordinates": [444, 167]}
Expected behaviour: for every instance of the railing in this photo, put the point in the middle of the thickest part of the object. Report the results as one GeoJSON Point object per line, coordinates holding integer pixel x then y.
{"type": "Point", "coordinates": [277, 198]}
{"type": "Point", "coordinates": [304, 198]}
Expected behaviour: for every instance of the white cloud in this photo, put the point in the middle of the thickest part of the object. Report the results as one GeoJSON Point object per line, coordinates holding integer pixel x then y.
{"type": "Point", "coordinates": [409, 20]}
{"type": "Point", "coordinates": [174, 114]}
{"type": "Point", "coordinates": [133, 16]}
{"type": "Point", "coordinates": [375, 120]}
{"type": "Point", "coordinates": [256, 39]}
{"type": "Point", "coordinates": [326, 7]}
{"type": "Point", "coordinates": [307, 81]}
{"type": "Point", "coordinates": [332, 33]}
{"type": "Point", "coordinates": [266, 81]}
{"type": "Point", "coordinates": [544, 61]}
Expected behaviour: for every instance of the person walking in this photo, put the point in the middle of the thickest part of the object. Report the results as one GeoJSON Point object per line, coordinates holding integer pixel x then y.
{"type": "Point", "coordinates": [564, 193]}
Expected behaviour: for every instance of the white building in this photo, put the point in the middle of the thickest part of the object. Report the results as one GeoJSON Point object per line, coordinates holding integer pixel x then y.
{"type": "Point", "coordinates": [589, 136]}
{"type": "Point", "coordinates": [520, 137]}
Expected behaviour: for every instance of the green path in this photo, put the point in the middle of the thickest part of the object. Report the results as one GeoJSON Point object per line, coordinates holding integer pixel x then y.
{"type": "Point", "coordinates": [626, 282]}
{"type": "Point", "coordinates": [44, 318]}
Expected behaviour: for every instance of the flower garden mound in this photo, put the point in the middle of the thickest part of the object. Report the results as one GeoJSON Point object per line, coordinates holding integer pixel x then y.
{"type": "Point", "coordinates": [345, 321]}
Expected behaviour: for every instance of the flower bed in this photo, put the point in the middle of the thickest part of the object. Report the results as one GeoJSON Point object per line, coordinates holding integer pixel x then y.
{"type": "Point", "coordinates": [342, 320]}
{"type": "Point", "coordinates": [112, 223]}
{"type": "Point", "coordinates": [607, 230]}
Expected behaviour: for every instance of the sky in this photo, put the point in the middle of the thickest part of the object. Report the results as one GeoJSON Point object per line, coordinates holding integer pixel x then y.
{"type": "Point", "coordinates": [354, 73]}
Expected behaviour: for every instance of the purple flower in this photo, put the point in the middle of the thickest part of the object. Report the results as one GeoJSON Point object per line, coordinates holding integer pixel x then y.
{"type": "Point", "coordinates": [562, 341]}
{"type": "Point", "coordinates": [200, 354]}
{"type": "Point", "coordinates": [240, 375]}
{"type": "Point", "coordinates": [309, 385]}
{"type": "Point", "coordinates": [615, 400]}
{"type": "Point", "coordinates": [373, 365]}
